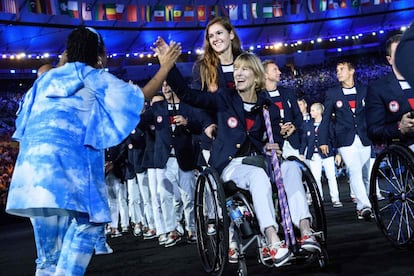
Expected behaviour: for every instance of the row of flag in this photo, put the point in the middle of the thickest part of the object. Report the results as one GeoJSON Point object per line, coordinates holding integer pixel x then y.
{"type": "Point", "coordinates": [187, 13]}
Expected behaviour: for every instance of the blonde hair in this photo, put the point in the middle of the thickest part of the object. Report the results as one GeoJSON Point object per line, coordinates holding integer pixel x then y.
{"type": "Point", "coordinates": [251, 61]}
{"type": "Point", "coordinates": [320, 106]}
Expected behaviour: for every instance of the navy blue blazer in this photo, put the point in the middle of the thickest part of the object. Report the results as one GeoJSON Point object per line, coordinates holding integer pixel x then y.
{"type": "Point", "coordinates": [181, 139]}
{"type": "Point", "coordinates": [386, 103]}
{"type": "Point", "coordinates": [208, 118]}
{"type": "Point", "coordinates": [135, 144]}
{"type": "Point", "coordinates": [232, 130]}
{"type": "Point", "coordinates": [291, 114]}
{"type": "Point", "coordinates": [117, 155]}
{"type": "Point", "coordinates": [308, 141]}
{"type": "Point", "coordinates": [346, 124]}
{"type": "Point", "coordinates": [147, 125]}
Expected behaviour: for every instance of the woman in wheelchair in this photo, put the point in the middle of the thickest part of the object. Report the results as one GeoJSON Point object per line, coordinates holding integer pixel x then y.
{"type": "Point", "coordinates": [240, 134]}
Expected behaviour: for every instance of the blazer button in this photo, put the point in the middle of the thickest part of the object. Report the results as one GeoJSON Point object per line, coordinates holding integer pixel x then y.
{"type": "Point", "coordinates": [230, 157]}
{"type": "Point", "coordinates": [130, 146]}
{"type": "Point", "coordinates": [238, 146]}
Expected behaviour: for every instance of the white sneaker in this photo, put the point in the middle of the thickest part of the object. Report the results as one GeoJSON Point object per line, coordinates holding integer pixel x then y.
{"type": "Point", "coordinates": [173, 238]}
{"type": "Point", "coordinates": [150, 234]}
{"type": "Point", "coordinates": [162, 239]}
{"type": "Point", "coordinates": [115, 233]}
{"type": "Point", "coordinates": [137, 231]}
{"type": "Point", "coordinates": [125, 229]}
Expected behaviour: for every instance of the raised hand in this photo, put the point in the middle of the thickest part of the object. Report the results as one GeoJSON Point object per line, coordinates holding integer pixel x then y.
{"type": "Point", "coordinates": [167, 54]}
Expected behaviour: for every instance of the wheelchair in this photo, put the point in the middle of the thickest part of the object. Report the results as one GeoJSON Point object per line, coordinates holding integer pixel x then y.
{"type": "Point", "coordinates": [213, 221]}
{"type": "Point", "coordinates": [391, 194]}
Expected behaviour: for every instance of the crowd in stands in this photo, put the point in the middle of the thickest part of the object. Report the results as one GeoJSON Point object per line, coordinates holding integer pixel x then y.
{"type": "Point", "coordinates": [310, 81]}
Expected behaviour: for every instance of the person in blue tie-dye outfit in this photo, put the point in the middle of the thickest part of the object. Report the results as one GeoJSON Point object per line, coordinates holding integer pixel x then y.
{"type": "Point", "coordinates": [65, 121]}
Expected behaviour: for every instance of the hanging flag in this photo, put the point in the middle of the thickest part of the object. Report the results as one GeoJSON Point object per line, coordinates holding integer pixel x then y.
{"type": "Point", "coordinates": [267, 10]}
{"type": "Point", "coordinates": [9, 6]}
{"type": "Point", "coordinates": [36, 6]}
{"type": "Point", "coordinates": [245, 12]}
{"type": "Point", "coordinates": [202, 13]}
{"type": "Point", "coordinates": [365, 3]}
{"type": "Point", "coordinates": [333, 4]}
{"type": "Point", "coordinates": [169, 13]}
{"type": "Point", "coordinates": [98, 12]}
{"type": "Point", "coordinates": [51, 6]}
{"type": "Point", "coordinates": [86, 11]}
{"type": "Point", "coordinates": [146, 13]}
{"type": "Point", "coordinates": [110, 11]}
{"type": "Point", "coordinates": [212, 12]}
{"type": "Point", "coordinates": [277, 10]}
{"type": "Point", "coordinates": [224, 12]}
{"type": "Point", "coordinates": [159, 13]}
{"type": "Point", "coordinates": [295, 6]}
{"type": "Point", "coordinates": [119, 11]}
{"type": "Point", "coordinates": [323, 5]}
{"type": "Point", "coordinates": [73, 9]}
{"type": "Point", "coordinates": [178, 13]}
{"type": "Point", "coordinates": [311, 6]}
{"type": "Point", "coordinates": [254, 6]}
{"type": "Point", "coordinates": [132, 13]}
{"type": "Point", "coordinates": [63, 6]}
{"type": "Point", "coordinates": [233, 12]}
{"type": "Point", "coordinates": [189, 13]}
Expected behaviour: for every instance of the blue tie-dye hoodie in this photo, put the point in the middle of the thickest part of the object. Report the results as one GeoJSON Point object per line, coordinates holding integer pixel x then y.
{"type": "Point", "coordinates": [65, 121]}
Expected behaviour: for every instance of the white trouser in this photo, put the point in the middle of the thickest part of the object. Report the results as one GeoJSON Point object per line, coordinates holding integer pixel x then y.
{"type": "Point", "coordinates": [117, 197]}
{"type": "Point", "coordinates": [169, 179]}
{"type": "Point", "coordinates": [135, 205]}
{"type": "Point", "coordinates": [295, 191]}
{"type": "Point", "coordinates": [288, 150]}
{"type": "Point", "coordinates": [156, 201]}
{"type": "Point", "coordinates": [328, 163]}
{"type": "Point", "coordinates": [256, 181]}
{"type": "Point", "coordinates": [356, 157]}
{"type": "Point", "coordinates": [143, 185]}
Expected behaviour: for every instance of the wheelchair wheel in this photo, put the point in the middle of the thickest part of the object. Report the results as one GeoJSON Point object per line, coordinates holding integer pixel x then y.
{"type": "Point", "coordinates": [392, 194]}
{"type": "Point", "coordinates": [212, 222]}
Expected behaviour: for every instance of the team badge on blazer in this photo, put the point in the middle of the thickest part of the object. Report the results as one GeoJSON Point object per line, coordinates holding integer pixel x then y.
{"type": "Point", "coordinates": [394, 106]}
{"type": "Point", "coordinates": [339, 104]}
{"type": "Point", "coordinates": [159, 119]}
{"type": "Point", "coordinates": [232, 122]}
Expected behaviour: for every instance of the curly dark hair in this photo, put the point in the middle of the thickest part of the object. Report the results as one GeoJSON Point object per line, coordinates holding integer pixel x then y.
{"type": "Point", "coordinates": [85, 44]}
